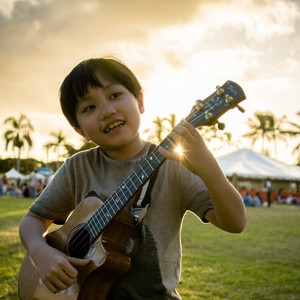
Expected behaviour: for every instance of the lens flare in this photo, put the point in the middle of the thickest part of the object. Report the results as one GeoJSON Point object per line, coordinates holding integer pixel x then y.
{"type": "Point", "coordinates": [179, 149]}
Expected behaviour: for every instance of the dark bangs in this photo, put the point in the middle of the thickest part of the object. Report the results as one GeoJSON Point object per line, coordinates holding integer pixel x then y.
{"type": "Point", "coordinates": [74, 87]}
{"type": "Point", "coordinates": [76, 84]}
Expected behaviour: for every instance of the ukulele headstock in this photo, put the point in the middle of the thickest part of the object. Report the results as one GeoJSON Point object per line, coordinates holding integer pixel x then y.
{"type": "Point", "coordinates": [207, 112]}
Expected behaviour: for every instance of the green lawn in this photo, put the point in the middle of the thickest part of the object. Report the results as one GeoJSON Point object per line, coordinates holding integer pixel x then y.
{"type": "Point", "coordinates": [261, 263]}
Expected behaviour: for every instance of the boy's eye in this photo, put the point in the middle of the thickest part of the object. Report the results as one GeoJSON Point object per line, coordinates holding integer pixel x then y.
{"type": "Point", "coordinates": [88, 108]}
{"type": "Point", "coordinates": [115, 95]}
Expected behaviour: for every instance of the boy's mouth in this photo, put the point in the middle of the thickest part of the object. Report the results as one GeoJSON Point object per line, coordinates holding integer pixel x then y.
{"type": "Point", "coordinates": [114, 125]}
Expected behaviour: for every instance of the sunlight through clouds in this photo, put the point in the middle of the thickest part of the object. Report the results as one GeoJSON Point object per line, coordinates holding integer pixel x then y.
{"type": "Point", "coordinates": [6, 8]}
{"type": "Point", "coordinates": [179, 52]}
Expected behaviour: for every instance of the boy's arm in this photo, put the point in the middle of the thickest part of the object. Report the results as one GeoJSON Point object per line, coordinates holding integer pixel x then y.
{"type": "Point", "coordinates": [229, 211]}
{"type": "Point", "coordinates": [55, 268]}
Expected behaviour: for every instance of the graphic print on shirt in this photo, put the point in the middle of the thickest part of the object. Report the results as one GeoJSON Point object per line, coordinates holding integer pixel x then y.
{"type": "Point", "coordinates": [144, 276]}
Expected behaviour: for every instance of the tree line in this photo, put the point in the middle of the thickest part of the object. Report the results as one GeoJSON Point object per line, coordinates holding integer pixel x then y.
{"type": "Point", "coordinates": [263, 127]}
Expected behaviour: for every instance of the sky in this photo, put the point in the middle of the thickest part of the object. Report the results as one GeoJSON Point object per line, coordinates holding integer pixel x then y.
{"type": "Point", "coordinates": [179, 50]}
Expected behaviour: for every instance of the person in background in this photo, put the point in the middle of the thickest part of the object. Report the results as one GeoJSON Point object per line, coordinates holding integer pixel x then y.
{"type": "Point", "coordinates": [269, 189]}
{"type": "Point", "coordinates": [4, 185]}
{"type": "Point", "coordinates": [25, 190]}
{"type": "Point", "coordinates": [256, 200]}
{"type": "Point", "coordinates": [280, 198]}
{"type": "Point", "coordinates": [248, 199]}
{"type": "Point", "coordinates": [33, 181]}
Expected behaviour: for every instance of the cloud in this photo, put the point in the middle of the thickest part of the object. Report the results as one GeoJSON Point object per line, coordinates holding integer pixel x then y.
{"type": "Point", "coordinates": [168, 44]}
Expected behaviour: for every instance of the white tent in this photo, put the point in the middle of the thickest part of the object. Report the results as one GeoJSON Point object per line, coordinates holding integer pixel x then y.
{"type": "Point", "coordinates": [249, 164]}
{"type": "Point", "coordinates": [37, 175]}
{"type": "Point", "coordinates": [14, 174]}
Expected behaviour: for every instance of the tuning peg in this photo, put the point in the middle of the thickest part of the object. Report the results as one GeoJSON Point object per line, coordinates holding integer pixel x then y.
{"type": "Point", "coordinates": [220, 91]}
{"type": "Point", "coordinates": [199, 104]}
{"type": "Point", "coordinates": [228, 99]}
{"type": "Point", "coordinates": [240, 109]}
{"type": "Point", "coordinates": [221, 126]}
{"type": "Point", "coordinates": [208, 115]}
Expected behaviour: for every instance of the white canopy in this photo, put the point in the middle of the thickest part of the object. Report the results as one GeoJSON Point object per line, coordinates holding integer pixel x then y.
{"type": "Point", "coordinates": [249, 164]}
{"type": "Point", "coordinates": [14, 174]}
{"type": "Point", "coordinates": [37, 175]}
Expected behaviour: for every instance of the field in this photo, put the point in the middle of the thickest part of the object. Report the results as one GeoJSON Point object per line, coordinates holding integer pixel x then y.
{"type": "Point", "coordinates": [261, 263]}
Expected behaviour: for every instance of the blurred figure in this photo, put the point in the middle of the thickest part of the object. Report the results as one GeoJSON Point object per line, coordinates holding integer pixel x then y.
{"type": "Point", "coordinates": [33, 181]}
{"type": "Point", "coordinates": [257, 199]}
{"type": "Point", "coordinates": [269, 189]}
{"type": "Point", "coordinates": [247, 199]}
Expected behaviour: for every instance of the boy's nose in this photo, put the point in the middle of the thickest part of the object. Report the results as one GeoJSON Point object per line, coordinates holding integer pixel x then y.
{"type": "Point", "coordinates": [106, 110]}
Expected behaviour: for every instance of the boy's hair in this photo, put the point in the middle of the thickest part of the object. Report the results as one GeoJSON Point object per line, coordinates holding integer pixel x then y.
{"type": "Point", "coordinates": [76, 84]}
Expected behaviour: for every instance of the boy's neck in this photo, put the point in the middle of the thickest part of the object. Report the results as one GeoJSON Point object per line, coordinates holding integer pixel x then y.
{"type": "Point", "coordinates": [127, 151]}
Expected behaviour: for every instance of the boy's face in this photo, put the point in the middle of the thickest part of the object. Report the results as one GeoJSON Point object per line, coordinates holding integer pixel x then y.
{"type": "Point", "coordinates": [110, 117]}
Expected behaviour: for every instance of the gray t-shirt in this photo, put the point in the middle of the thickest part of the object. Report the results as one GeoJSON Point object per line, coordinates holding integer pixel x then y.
{"type": "Point", "coordinates": [155, 247]}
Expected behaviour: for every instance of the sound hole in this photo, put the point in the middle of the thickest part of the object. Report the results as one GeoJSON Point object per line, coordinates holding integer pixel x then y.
{"type": "Point", "coordinates": [79, 244]}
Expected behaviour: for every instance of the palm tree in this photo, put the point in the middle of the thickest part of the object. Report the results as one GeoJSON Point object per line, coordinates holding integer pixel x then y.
{"type": "Point", "coordinates": [57, 145]}
{"type": "Point", "coordinates": [172, 120]}
{"type": "Point", "coordinates": [160, 129]}
{"type": "Point", "coordinates": [18, 135]}
{"type": "Point", "coordinates": [158, 135]}
{"type": "Point", "coordinates": [47, 148]}
{"type": "Point", "coordinates": [265, 127]}
{"type": "Point", "coordinates": [72, 150]}
{"type": "Point", "coordinates": [295, 131]}
{"type": "Point", "coordinates": [212, 134]}
{"type": "Point", "coordinates": [227, 141]}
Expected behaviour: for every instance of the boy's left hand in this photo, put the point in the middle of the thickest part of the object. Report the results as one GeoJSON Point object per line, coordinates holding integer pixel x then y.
{"type": "Point", "coordinates": [195, 155]}
{"type": "Point", "coordinates": [228, 212]}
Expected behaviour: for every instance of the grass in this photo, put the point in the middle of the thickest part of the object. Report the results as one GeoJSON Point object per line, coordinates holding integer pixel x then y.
{"type": "Point", "coordinates": [11, 251]}
{"type": "Point", "coordinates": [261, 263]}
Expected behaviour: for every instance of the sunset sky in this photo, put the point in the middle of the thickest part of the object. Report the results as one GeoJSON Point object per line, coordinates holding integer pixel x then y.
{"type": "Point", "coordinates": [179, 50]}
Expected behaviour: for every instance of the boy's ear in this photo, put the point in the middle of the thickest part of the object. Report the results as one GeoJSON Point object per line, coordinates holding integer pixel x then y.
{"type": "Point", "coordinates": [79, 131]}
{"type": "Point", "coordinates": [140, 100]}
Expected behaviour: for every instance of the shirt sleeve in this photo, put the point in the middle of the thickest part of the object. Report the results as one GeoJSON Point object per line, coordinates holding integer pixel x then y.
{"type": "Point", "coordinates": [57, 199]}
{"type": "Point", "coordinates": [196, 196]}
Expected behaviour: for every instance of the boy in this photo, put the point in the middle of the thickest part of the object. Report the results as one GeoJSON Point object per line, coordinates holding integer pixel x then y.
{"type": "Point", "coordinates": [103, 101]}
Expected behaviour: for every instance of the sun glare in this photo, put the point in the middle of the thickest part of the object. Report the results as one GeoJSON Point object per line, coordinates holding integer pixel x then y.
{"type": "Point", "coordinates": [179, 150]}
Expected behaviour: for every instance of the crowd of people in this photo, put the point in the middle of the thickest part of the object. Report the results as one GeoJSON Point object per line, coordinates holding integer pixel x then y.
{"type": "Point", "coordinates": [29, 187]}
{"type": "Point", "coordinates": [34, 183]}
{"type": "Point", "coordinates": [263, 198]}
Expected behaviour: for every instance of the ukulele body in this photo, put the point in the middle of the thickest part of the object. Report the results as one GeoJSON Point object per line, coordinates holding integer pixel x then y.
{"type": "Point", "coordinates": [107, 254]}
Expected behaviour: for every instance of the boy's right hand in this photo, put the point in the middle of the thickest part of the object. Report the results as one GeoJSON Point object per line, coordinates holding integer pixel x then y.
{"type": "Point", "coordinates": [56, 269]}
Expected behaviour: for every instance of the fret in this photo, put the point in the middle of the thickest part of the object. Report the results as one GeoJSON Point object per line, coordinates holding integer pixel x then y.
{"type": "Point", "coordinates": [118, 204]}
{"type": "Point", "coordinates": [149, 164]}
{"type": "Point", "coordinates": [101, 217]}
{"type": "Point", "coordinates": [126, 190]}
{"type": "Point", "coordinates": [157, 158]}
{"type": "Point", "coordinates": [138, 177]}
{"type": "Point", "coordinates": [108, 214]}
{"type": "Point", "coordinates": [92, 229]}
{"type": "Point", "coordinates": [116, 199]}
{"type": "Point", "coordinates": [144, 175]}
{"type": "Point", "coordinates": [133, 184]}
{"type": "Point", "coordinates": [93, 226]}
{"type": "Point", "coordinates": [168, 143]}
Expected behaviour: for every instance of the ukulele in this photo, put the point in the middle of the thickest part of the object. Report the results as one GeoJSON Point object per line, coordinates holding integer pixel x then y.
{"type": "Point", "coordinates": [99, 230]}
